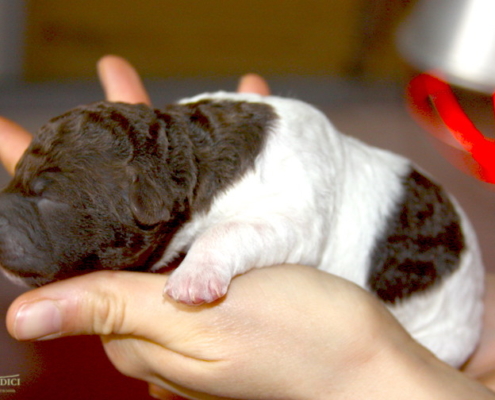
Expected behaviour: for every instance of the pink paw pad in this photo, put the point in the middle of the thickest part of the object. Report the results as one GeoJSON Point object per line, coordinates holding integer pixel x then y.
{"type": "Point", "coordinates": [193, 288]}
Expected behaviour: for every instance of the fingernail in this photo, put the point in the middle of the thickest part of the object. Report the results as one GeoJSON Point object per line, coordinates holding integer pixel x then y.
{"type": "Point", "coordinates": [38, 320]}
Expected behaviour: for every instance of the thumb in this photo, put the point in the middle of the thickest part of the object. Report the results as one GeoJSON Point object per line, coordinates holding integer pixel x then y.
{"type": "Point", "coordinates": [100, 303]}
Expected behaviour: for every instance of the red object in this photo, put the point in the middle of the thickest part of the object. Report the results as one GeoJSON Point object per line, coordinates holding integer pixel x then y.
{"type": "Point", "coordinates": [433, 103]}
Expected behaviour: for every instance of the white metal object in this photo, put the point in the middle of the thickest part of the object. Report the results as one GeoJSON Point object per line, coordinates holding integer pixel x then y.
{"type": "Point", "coordinates": [455, 38]}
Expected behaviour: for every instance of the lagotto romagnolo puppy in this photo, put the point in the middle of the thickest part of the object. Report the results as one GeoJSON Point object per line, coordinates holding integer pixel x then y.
{"type": "Point", "coordinates": [235, 182]}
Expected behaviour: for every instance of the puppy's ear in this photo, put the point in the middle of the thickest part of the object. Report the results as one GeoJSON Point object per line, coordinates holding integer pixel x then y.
{"type": "Point", "coordinates": [148, 201]}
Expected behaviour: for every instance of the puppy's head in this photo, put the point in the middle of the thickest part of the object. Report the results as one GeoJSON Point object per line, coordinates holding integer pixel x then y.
{"type": "Point", "coordinates": [100, 187]}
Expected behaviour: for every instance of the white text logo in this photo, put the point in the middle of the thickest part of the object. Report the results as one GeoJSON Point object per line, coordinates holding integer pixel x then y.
{"type": "Point", "coordinates": [9, 383]}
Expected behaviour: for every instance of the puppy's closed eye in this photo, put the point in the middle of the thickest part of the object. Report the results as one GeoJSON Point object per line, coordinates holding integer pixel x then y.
{"type": "Point", "coordinates": [38, 186]}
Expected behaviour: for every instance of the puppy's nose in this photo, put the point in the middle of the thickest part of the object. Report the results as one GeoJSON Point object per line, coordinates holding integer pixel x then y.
{"type": "Point", "coordinates": [7, 208]}
{"type": "Point", "coordinates": [20, 251]}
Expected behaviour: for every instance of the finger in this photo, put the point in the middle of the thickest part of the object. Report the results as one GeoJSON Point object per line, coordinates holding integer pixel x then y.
{"type": "Point", "coordinates": [93, 304]}
{"type": "Point", "coordinates": [14, 140]}
{"type": "Point", "coordinates": [253, 83]}
{"type": "Point", "coordinates": [120, 81]}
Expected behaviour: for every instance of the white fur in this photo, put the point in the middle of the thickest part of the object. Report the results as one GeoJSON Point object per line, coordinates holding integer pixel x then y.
{"type": "Point", "coordinates": [320, 198]}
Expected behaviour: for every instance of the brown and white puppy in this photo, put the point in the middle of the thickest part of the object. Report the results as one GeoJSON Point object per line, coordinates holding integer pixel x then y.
{"type": "Point", "coordinates": [236, 182]}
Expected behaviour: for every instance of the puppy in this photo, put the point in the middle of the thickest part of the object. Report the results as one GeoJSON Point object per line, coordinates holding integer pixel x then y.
{"type": "Point", "coordinates": [235, 182]}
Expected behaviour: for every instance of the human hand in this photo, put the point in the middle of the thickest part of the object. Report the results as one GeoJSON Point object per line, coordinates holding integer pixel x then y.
{"type": "Point", "coordinates": [282, 332]}
{"type": "Point", "coordinates": [287, 332]}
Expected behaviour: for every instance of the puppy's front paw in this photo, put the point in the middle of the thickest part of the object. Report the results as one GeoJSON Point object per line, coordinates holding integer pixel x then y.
{"type": "Point", "coordinates": [195, 286]}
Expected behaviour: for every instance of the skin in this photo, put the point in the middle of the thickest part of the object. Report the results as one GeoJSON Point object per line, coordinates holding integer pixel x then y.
{"type": "Point", "coordinates": [284, 332]}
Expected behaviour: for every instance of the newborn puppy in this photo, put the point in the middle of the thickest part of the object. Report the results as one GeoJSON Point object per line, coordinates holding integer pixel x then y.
{"type": "Point", "coordinates": [236, 182]}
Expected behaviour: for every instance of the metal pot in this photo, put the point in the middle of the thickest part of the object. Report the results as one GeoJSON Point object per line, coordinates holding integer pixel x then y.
{"type": "Point", "coordinates": [454, 39]}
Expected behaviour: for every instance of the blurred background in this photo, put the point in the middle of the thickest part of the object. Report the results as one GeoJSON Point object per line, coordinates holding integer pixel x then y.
{"type": "Point", "coordinates": [205, 39]}
{"type": "Point", "coordinates": [339, 55]}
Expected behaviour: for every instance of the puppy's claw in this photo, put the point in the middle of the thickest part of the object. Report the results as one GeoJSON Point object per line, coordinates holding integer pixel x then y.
{"type": "Point", "coordinates": [197, 289]}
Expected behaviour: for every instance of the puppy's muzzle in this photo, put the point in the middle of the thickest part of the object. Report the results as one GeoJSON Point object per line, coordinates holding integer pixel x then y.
{"type": "Point", "coordinates": [24, 251]}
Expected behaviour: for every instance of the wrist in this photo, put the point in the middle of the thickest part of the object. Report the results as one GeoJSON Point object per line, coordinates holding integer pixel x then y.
{"type": "Point", "coordinates": [383, 362]}
{"type": "Point", "coordinates": [409, 371]}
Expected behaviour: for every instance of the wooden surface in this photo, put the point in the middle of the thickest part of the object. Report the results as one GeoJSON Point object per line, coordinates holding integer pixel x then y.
{"type": "Point", "coordinates": [205, 38]}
